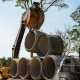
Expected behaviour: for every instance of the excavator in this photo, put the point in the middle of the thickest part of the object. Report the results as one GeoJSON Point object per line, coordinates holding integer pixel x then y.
{"type": "Point", "coordinates": [33, 19]}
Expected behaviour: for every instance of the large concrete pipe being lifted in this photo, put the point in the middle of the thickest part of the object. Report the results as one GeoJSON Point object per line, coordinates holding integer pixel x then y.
{"type": "Point", "coordinates": [35, 68]}
{"type": "Point", "coordinates": [34, 17]}
{"type": "Point", "coordinates": [23, 68]}
{"type": "Point", "coordinates": [49, 67]}
{"type": "Point", "coordinates": [44, 44]}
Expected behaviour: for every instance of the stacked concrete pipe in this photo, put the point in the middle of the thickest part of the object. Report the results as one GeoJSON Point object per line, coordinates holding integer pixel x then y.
{"type": "Point", "coordinates": [35, 68]}
{"type": "Point", "coordinates": [49, 67]}
{"type": "Point", "coordinates": [23, 68]}
{"type": "Point", "coordinates": [14, 67]}
{"type": "Point", "coordinates": [43, 44]}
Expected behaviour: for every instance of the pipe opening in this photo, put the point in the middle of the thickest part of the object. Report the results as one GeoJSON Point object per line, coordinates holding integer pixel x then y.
{"type": "Point", "coordinates": [48, 67]}
{"type": "Point", "coordinates": [23, 67]}
{"type": "Point", "coordinates": [35, 68]}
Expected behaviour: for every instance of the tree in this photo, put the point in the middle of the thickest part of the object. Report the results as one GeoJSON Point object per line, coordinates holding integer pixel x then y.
{"type": "Point", "coordinates": [76, 15]}
{"type": "Point", "coordinates": [5, 62]}
{"type": "Point", "coordinates": [74, 33]}
{"type": "Point", "coordinates": [45, 4]}
{"type": "Point", "coordinates": [8, 61]}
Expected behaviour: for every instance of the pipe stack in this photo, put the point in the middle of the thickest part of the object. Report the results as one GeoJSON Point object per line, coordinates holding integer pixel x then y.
{"type": "Point", "coordinates": [43, 44]}
{"type": "Point", "coordinates": [34, 69]}
{"type": "Point", "coordinates": [47, 47]}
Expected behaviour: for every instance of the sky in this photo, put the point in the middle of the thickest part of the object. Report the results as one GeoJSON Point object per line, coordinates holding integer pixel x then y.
{"type": "Point", "coordinates": [10, 16]}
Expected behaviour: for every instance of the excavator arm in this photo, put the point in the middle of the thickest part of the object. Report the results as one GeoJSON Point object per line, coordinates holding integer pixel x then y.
{"type": "Point", "coordinates": [17, 43]}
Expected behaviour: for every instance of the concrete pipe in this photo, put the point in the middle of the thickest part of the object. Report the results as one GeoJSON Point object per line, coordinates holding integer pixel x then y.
{"type": "Point", "coordinates": [36, 42]}
{"type": "Point", "coordinates": [34, 17]}
{"type": "Point", "coordinates": [49, 67]}
{"type": "Point", "coordinates": [56, 45]}
{"type": "Point", "coordinates": [23, 68]}
{"type": "Point", "coordinates": [13, 68]}
{"type": "Point", "coordinates": [43, 44]}
{"type": "Point", "coordinates": [35, 68]}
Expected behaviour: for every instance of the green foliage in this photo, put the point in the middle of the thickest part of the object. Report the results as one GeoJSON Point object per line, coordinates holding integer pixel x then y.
{"type": "Point", "coordinates": [45, 4]}
{"type": "Point", "coordinates": [5, 62]}
{"type": "Point", "coordinates": [74, 35]}
{"type": "Point", "coordinates": [76, 15]}
{"type": "Point", "coordinates": [75, 32]}
{"type": "Point", "coordinates": [23, 3]}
